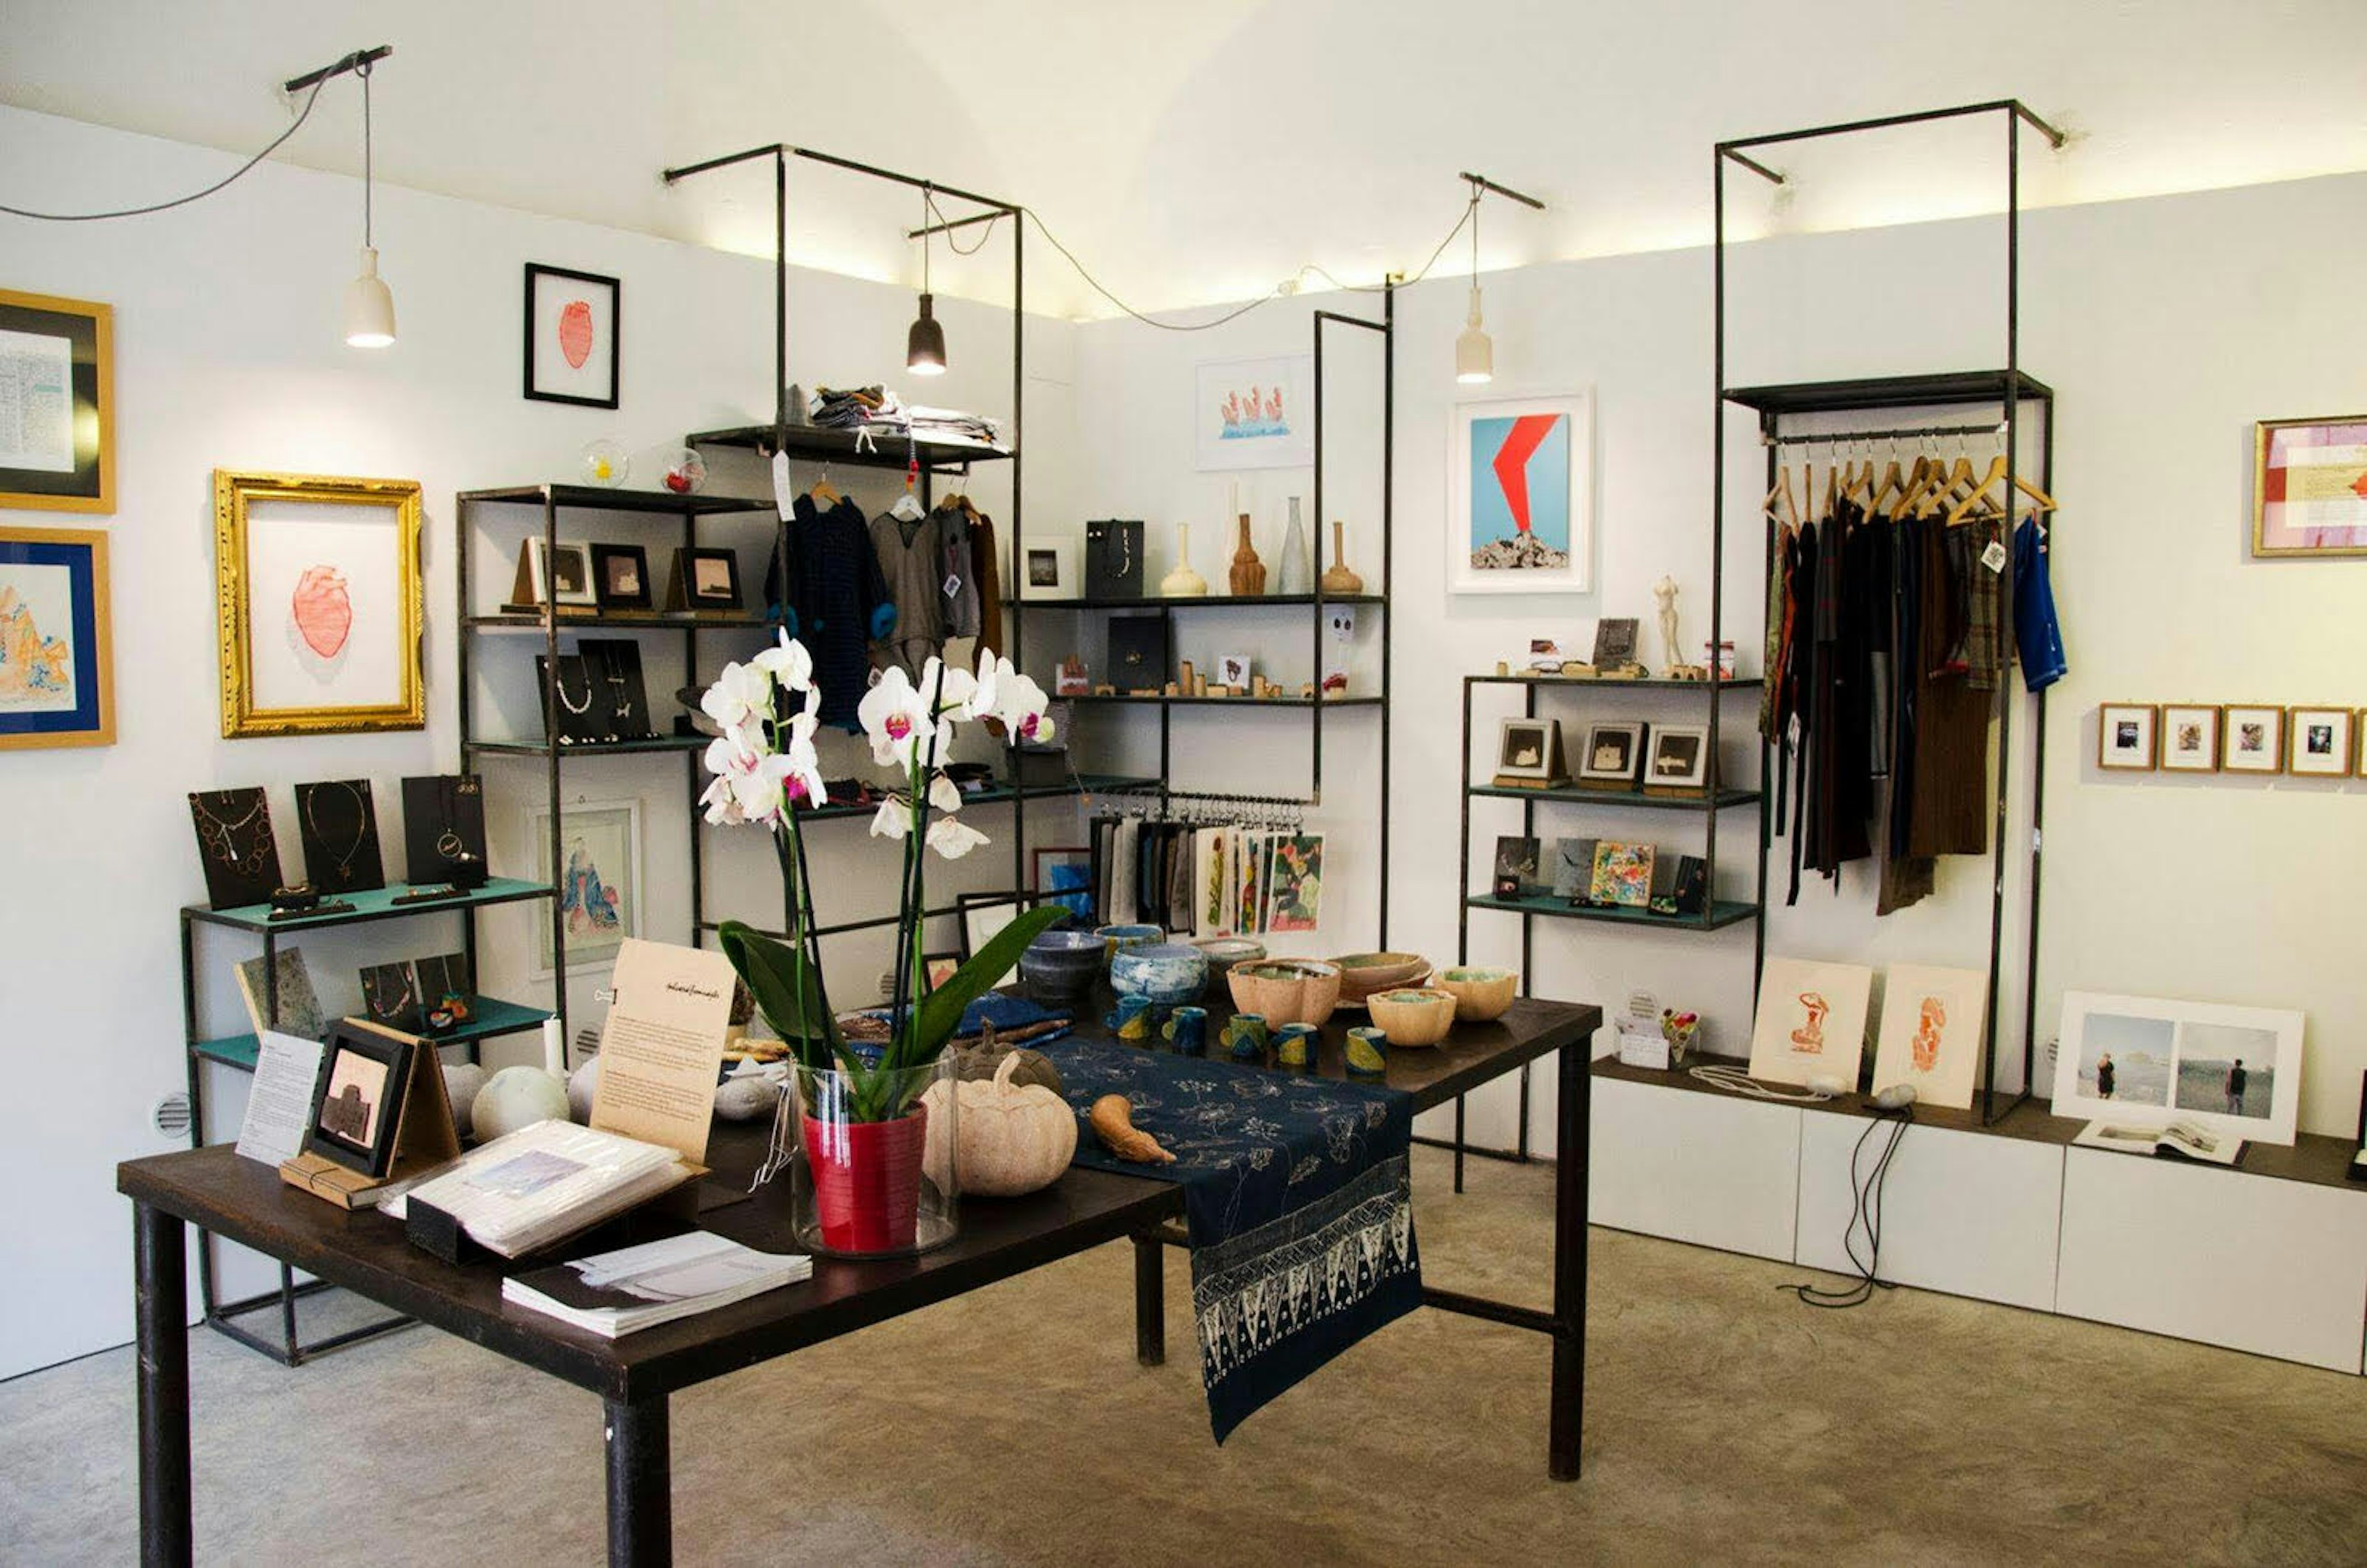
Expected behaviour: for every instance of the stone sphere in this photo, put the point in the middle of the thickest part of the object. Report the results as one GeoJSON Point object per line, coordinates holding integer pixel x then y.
{"type": "Point", "coordinates": [514, 1098]}
{"type": "Point", "coordinates": [581, 1085]}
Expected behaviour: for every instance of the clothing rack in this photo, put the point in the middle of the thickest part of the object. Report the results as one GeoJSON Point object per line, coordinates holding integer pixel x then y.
{"type": "Point", "coordinates": [1177, 805]}
{"type": "Point", "coordinates": [1855, 437]}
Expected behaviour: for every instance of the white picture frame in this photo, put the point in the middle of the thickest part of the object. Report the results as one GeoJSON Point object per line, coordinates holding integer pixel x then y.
{"type": "Point", "coordinates": [1529, 749]}
{"type": "Point", "coordinates": [1047, 568]}
{"type": "Point", "coordinates": [1533, 497]}
{"type": "Point", "coordinates": [2171, 1062]}
{"type": "Point", "coordinates": [2318, 742]}
{"type": "Point", "coordinates": [1235, 670]}
{"type": "Point", "coordinates": [1613, 753]}
{"type": "Point", "coordinates": [1678, 758]}
{"type": "Point", "coordinates": [575, 585]}
{"type": "Point", "coordinates": [1280, 434]}
{"type": "Point", "coordinates": [1930, 1035]}
{"type": "Point", "coordinates": [1810, 1021]}
{"type": "Point", "coordinates": [601, 902]}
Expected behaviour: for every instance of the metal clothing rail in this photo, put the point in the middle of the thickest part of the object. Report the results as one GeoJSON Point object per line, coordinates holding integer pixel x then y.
{"type": "Point", "coordinates": [1853, 436]}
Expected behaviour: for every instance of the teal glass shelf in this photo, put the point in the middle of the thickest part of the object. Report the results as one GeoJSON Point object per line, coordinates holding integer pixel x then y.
{"type": "Point", "coordinates": [375, 904]}
{"type": "Point", "coordinates": [1722, 913]}
{"type": "Point", "coordinates": [1081, 784]}
{"type": "Point", "coordinates": [495, 1017]}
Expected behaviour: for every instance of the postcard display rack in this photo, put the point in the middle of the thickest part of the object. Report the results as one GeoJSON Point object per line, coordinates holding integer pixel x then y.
{"type": "Point", "coordinates": [935, 459]}
{"type": "Point", "coordinates": [491, 1017]}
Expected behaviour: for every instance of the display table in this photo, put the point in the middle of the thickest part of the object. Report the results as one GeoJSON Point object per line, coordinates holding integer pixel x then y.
{"type": "Point", "coordinates": [365, 1252]}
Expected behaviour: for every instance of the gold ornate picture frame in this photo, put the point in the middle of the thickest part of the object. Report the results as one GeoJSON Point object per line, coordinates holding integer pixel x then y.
{"type": "Point", "coordinates": [57, 381]}
{"type": "Point", "coordinates": [317, 583]}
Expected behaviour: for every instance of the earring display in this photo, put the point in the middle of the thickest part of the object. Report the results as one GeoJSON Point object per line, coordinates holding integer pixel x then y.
{"type": "Point", "coordinates": [1114, 558]}
{"type": "Point", "coordinates": [445, 999]}
{"type": "Point", "coordinates": [339, 828]}
{"type": "Point", "coordinates": [444, 828]}
{"type": "Point", "coordinates": [619, 704]}
{"type": "Point", "coordinates": [235, 845]}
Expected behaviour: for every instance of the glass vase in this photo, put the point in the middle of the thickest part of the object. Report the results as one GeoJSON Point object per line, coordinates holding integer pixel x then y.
{"type": "Point", "coordinates": [1297, 570]}
{"type": "Point", "coordinates": [878, 1177]}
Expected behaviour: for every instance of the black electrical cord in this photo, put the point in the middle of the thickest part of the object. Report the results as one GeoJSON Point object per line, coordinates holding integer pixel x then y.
{"type": "Point", "coordinates": [309, 98]}
{"type": "Point", "coordinates": [1866, 1204]}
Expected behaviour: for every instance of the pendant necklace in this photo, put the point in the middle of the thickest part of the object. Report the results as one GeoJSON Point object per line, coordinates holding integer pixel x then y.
{"type": "Point", "coordinates": [559, 682]}
{"type": "Point", "coordinates": [219, 834]}
{"type": "Point", "coordinates": [361, 825]}
{"type": "Point", "coordinates": [449, 844]}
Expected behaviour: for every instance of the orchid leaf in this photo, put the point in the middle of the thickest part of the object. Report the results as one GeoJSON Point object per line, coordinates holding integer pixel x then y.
{"type": "Point", "coordinates": [788, 995]}
{"type": "Point", "coordinates": [940, 1013]}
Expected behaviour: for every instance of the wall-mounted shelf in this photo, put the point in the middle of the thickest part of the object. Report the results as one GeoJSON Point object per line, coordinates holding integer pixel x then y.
{"type": "Point", "coordinates": [1251, 704]}
{"type": "Point", "coordinates": [600, 498]}
{"type": "Point", "coordinates": [862, 449]}
{"type": "Point", "coordinates": [1629, 798]}
{"type": "Point", "coordinates": [1210, 602]}
{"type": "Point", "coordinates": [492, 1018]}
{"type": "Point", "coordinates": [1722, 912]}
{"type": "Point", "coordinates": [1938, 390]}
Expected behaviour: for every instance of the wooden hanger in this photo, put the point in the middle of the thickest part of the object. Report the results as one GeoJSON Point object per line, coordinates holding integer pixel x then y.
{"type": "Point", "coordinates": [823, 492]}
{"type": "Point", "coordinates": [2040, 501]}
{"type": "Point", "coordinates": [1779, 505]}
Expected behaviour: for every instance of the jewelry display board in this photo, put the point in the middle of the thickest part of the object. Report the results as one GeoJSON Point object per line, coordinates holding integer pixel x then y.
{"type": "Point", "coordinates": [339, 826]}
{"type": "Point", "coordinates": [236, 843]}
{"type": "Point", "coordinates": [444, 828]}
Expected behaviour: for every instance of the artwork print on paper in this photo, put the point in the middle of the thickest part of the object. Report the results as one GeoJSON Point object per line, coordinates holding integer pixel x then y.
{"type": "Point", "coordinates": [571, 352]}
{"type": "Point", "coordinates": [37, 663]}
{"type": "Point", "coordinates": [1295, 883]}
{"type": "Point", "coordinates": [599, 881]}
{"type": "Point", "coordinates": [1811, 1020]}
{"type": "Point", "coordinates": [1931, 1032]}
{"type": "Point", "coordinates": [55, 683]}
{"type": "Point", "coordinates": [2310, 488]}
{"type": "Point", "coordinates": [1254, 413]}
{"type": "Point", "coordinates": [1521, 473]}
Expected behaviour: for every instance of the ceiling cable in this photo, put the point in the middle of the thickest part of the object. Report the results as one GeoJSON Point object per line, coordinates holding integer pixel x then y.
{"type": "Point", "coordinates": [201, 195]}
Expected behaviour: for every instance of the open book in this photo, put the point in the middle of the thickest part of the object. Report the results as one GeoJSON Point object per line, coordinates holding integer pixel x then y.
{"type": "Point", "coordinates": [658, 1281]}
{"type": "Point", "coordinates": [2180, 1140]}
{"type": "Point", "coordinates": [543, 1183]}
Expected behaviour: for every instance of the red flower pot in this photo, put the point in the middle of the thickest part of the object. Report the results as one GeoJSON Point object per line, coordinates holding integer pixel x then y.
{"type": "Point", "coordinates": [866, 1178]}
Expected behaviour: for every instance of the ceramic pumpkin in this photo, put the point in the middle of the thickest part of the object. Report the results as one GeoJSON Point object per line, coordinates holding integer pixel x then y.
{"type": "Point", "coordinates": [1014, 1137]}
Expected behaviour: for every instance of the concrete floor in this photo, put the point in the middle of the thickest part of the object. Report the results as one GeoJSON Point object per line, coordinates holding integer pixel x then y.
{"type": "Point", "coordinates": [1013, 1427]}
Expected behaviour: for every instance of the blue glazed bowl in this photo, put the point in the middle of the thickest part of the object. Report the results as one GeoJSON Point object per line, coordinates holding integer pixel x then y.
{"type": "Point", "coordinates": [1119, 939]}
{"type": "Point", "coordinates": [1060, 966]}
{"type": "Point", "coordinates": [1165, 973]}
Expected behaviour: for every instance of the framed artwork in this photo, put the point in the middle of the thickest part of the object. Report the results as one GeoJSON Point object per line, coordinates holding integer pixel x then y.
{"type": "Point", "coordinates": [2128, 736]}
{"type": "Point", "coordinates": [2309, 488]}
{"type": "Point", "coordinates": [1516, 868]}
{"type": "Point", "coordinates": [57, 665]}
{"type": "Point", "coordinates": [1519, 495]}
{"type": "Point", "coordinates": [1051, 569]}
{"type": "Point", "coordinates": [1811, 1020]}
{"type": "Point", "coordinates": [57, 403]}
{"type": "Point", "coordinates": [357, 1099]}
{"type": "Point", "coordinates": [317, 581]}
{"type": "Point", "coordinates": [704, 579]}
{"type": "Point", "coordinates": [982, 915]}
{"type": "Point", "coordinates": [560, 574]}
{"type": "Point", "coordinates": [1622, 875]}
{"type": "Point", "coordinates": [1677, 759]}
{"type": "Point", "coordinates": [1528, 751]}
{"type": "Point", "coordinates": [1293, 883]}
{"type": "Point", "coordinates": [2252, 739]}
{"type": "Point", "coordinates": [1234, 670]}
{"type": "Point", "coordinates": [1065, 872]}
{"type": "Point", "coordinates": [1614, 642]}
{"type": "Point", "coordinates": [2318, 743]}
{"type": "Point", "coordinates": [936, 968]}
{"type": "Point", "coordinates": [2149, 1061]}
{"type": "Point", "coordinates": [620, 576]}
{"type": "Point", "coordinates": [570, 336]}
{"type": "Point", "coordinates": [2359, 731]}
{"type": "Point", "coordinates": [2190, 738]}
{"type": "Point", "coordinates": [1930, 1036]}
{"type": "Point", "coordinates": [1254, 413]}
{"type": "Point", "coordinates": [1569, 866]}
{"type": "Point", "coordinates": [599, 881]}
{"type": "Point", "coordinates": [1615, 751]}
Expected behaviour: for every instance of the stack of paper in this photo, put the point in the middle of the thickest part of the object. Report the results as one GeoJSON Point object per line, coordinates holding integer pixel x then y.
{"type": "Point", "coordinates": [641, 1287]}
{"type": "Point", "coordinates": [543, 1183]}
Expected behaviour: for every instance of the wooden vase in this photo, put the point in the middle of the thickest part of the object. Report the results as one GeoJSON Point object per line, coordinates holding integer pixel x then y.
{"type": "Point", "coordinates": [1248, 576]}
{"type": "Point", "coordinates": [1337, 578]}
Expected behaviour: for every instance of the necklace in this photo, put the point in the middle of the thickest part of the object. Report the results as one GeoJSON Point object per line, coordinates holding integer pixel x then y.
{"type": "Point", "coordinates": [558, 682]}
{"type": "Point", "coordinates": [220, 837]}
{"type": "Point", "coordinates": [623, 700]}
{"type": "Point", "coordinates": [311, 803]}
{"type": "Point", "coordinates": [395, 1006]}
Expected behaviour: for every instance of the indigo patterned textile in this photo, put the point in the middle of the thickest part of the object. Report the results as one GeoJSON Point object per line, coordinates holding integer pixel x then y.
{"type": "Point", "coordinates": [1297, 1198]}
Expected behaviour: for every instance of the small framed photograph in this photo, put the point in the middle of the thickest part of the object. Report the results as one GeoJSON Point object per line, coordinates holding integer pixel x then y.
{"type": "Point", "coordinates": [562, 575]}
{"type": "Point", "coordinates": [2252, 739]}
{"type": "Point", "coordinates": [357, 1099]}
{"type": "Point", "coordinates": [936, 968]}
{"type": "Point", "coordinates": [1545, 655]}
{"type": "Point", "coordinates": [982, 915]}
{"type": "Point", "coordinates": [704, 580]}
{"type": "Point", "coordinates": [1049, 571]}
{"type": "Point", "coordinates": [2126, 736]}
{"type": "Point", "coordinates": [1678, 761]}
{"type": "Point", "coordinates": [2359, 736]}
{"type": "Point", "coordinates": [570, 336]}
{"type": "Point", "coordinates": [2319, 744]}
{"type": "Point", "coordinates": [2305, 497]}
{"type": "Point", "coordinates": [1614, 754]}
{"type": "Point", "coordinates": [2190, 738]}
{"type": "Point", "coordinates": [1234, 670]}
{"type": "Point", "coordinates": [57, 671]}
{"type": "Point", "coordinates": [57, 385]}
{"type": "Point", "coordinates": [1528, 753]}
{"type": "Point", "coordinates": [620, 576]}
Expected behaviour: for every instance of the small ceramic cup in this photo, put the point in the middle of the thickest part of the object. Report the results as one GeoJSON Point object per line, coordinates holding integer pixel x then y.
{"type": "Point", "coordinates": [1187, 1032]}
{"type": "Point", "coordinates": [1367, 1053]}
{"type": "Point", "coordinates": [1132, 1020]}
{"type": "Point", "coordinates": [1298, 1046]}
{"type": "Point", "coordinates": [1245, 1038]}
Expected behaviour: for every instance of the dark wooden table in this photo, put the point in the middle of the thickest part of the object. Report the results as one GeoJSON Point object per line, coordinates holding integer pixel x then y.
{"type": "Point", "coordinates": [366, 1253]}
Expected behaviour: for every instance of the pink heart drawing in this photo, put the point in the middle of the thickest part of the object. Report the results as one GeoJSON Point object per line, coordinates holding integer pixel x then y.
{"type": "Point", "coordinates": [575, 333]}
{"type": "Point", "coordinates": [322, 609]}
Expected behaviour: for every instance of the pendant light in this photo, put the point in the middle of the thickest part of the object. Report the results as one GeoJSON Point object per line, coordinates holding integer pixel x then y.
{"type": "Point", "coordinates": [924, 345]}
{"type": "Point", "coordinates": [369, 304]}
{"type": "Point", "coordinates": [1475, 353]}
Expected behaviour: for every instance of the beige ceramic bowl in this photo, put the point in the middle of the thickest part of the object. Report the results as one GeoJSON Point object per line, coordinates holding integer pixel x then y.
{"type": "Point", "coordinates": [1479, 994]}
{"type": "Point", "coordinates": [1361, 974]}
{"type": "Point", "coordinates": [1412, 1017]}
{"type": "Point", "coordinates": [1286, 991]}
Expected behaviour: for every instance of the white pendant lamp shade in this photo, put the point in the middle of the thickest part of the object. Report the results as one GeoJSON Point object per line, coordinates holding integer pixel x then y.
{"type": "Point", "coordinates": [370, 306]}
{"type": "Point", "coordinates": [924, 345]}
{"type": "Point", "coordinates": [1475, 354]}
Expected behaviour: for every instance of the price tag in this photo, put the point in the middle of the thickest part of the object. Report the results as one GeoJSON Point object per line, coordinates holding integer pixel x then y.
{"type": "Point", "coordinates": [1994, 557]}
{"type": "Point", "coordinates": [953, 585]}
{"type": "Point", "coordinates": [782, 500]}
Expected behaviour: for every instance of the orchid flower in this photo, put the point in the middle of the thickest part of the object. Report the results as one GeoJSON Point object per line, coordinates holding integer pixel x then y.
{"type": "Point", "coordinates": [945, 796]}
{"type": "Point", "coordinates": [953, 838]}
{"type": "Point", "coordinates": [979, 701]}
{"type": "Point", "coordinates": [788, 664]}
{"type": "Point", "coordinates": [740, 693]}
{"type": "Point", "coordinates": [890, 820]}
{"type": "Point", "coordinates": [898, 722]}
{"type": "Point", "coordinates": [952, 686]}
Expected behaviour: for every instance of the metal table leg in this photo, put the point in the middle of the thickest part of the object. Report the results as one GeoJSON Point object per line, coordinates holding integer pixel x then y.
{"type": "Point", "coordinates": [1149, 1302]}
{"type": "Point", "coordinates": [161, 1308]}
{"type": "Point", "coordinates": [641, 1484]}
{"type": "Point", "coordinates": [1568, 1399]}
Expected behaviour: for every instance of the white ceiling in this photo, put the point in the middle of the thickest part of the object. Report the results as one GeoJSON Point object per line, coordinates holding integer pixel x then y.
{"type": "Point", "coordinates": [1201, 152]}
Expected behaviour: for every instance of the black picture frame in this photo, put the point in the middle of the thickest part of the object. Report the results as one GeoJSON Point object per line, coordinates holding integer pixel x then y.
{"type": "Point", "coordinates": [935, 971]}
{"type": "Point", "coordinates": [236, 846]}
{"type": "Point", "coordinates": [620, 576]}
{"type": "Point", "coordinates": [688, 593]}
{"type": "Point", "coordinates": [536, 273]}
{"type": "Point", "coordinates": [337, 820]}
{"type": "Point", "coordinates": [357, 1128]}
{"type": "Point", "coordinates": [965, 904]}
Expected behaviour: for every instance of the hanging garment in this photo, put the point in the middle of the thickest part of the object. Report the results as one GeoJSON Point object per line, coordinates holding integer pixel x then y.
{"type": "Point", "coordinates": [1948, 810]}
{"type": "Point", "coordinates": [960, 584]}
{"type": "Point", "coordinates": [840, 601]}
{"type": "Point", "coordinates": [1126, 844]}
{"type": "Point", "coordinates": [986, 568]}
{"type": "Point", "coordinates": [2034, 625]}
{"type": "Point", "coordinates": [911, 565]}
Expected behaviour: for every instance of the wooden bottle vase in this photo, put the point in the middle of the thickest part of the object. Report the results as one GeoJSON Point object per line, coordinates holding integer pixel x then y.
{"type": "Point", "coordinates": [1337, 578]}
{"type": "Point", "coordinates": [1247, 578]}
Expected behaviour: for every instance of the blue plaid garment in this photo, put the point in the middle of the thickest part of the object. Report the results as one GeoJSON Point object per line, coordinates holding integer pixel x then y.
{"type": "Point", "coordinates": [1298, 1197]}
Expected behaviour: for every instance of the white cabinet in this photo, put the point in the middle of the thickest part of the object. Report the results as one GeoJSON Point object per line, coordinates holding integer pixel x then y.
{"type": "Point", "coordinates": [2252, 1262]}
{"type": "Point", "coordinates": [1713, 1169]}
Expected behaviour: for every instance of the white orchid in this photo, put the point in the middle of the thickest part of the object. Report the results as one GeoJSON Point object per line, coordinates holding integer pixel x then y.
{"type": "Point", "coordinates": [901, 724]}
{"type": "Point", "coordinates": [788, 664]}
{"type": "Point", "coordinates": [953, 838]}
{"type": "Point", "coordinates": [1020, 702]}
{"type": "Point", "coordinates": [945, 796]}
{"type": "Point", "coordinates": [741, 693]}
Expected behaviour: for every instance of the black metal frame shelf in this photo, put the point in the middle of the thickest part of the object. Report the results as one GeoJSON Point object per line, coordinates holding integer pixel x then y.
{"type": "Point", "coordinates": [623, 620]}
{"type": "Point", "coordinates": [1857, 396]}
{"type": "Point", "coordinates": [1210, 602]}
{"type": "Point", "coordinates": [1575, 794]}
{"type": "Point", "coordinates": [1251, 704]}
{"type": "Point", "coordinates": [1722, 912]}
{"type": "Point", "coordinates": [493, 1018]}
{"type": "Point", "coordinates": [1642, 684]}
{"type": "Point", "coordinates": [653, 745]}
{"type": "Point", "coordinates": [865, 448]}
{"type": "Point", "coordinates": [600, 498]}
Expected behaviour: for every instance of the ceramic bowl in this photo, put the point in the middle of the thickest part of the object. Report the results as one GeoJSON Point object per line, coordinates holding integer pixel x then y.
{"type": "Point", "coordinates": [1223, 953]}
{"type": "Point", "coordinates": [1412, 1017]}
{"type": "Point", "coordinates": [1167, 974]}
{"type": "Point", "coordinates": [1479, 994]}
{"type": "Point", "coordinates": [1289, 990]}
{"type": "Point", "coordinates": [1062, 965]}
{"type": "Point", "coordinates": [1118, 939]}
{"type": "Point", "coordinates": [1361, 974]}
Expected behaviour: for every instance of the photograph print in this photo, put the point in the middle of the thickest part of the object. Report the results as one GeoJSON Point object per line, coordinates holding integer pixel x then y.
{"type": "Point", "coordinates": [2190, 738]}
{"type": "Point", "coordinates": [2149, 1060]}
{"type": "Point", "coordinates": [2252, 739]}
{"type": "Point", "coordinates": [2126, 735]}
{"type": "Point", "coordinates": [2320, 740]}
{"type": "Point", "coordinates": [1519, 496]}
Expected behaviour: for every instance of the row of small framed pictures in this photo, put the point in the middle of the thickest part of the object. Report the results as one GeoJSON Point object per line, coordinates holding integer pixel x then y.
{"type": "Point", "coordinates": [2235, 737]}
{"type": "Point", "coordinates": [1618, 753]}
{"type": "Point", "coordinates": [617, 577]}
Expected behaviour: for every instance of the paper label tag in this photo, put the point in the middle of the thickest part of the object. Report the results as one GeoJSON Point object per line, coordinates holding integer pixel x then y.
{"type": "Point", "coordinates": [952, 585]}
{"type": "Point", "coordinates": [1994, 557]}
{"type": "Point", "coordinates": [782, 499]}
